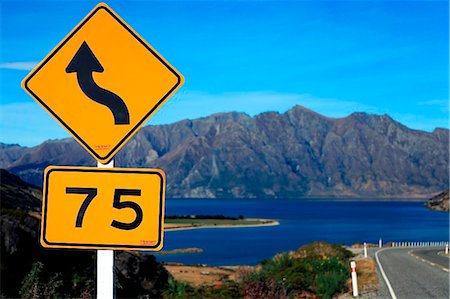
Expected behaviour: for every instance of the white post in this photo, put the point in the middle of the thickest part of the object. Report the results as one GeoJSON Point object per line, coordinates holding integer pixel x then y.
{"type": "Point", "coordinates": [380, 243]}
{"type": "Point", "coordinates": [365, 250]}
{"type": "Point", "coordinates": [354, 279]}
{"type": "Point", "coordinates": [105, 263]}
{"type": "Point", "coordinates": [446, 249]}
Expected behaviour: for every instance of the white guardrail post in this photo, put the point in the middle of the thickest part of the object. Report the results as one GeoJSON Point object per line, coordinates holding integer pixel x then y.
{"type": "Point", "coordinates": [446, 248]}
{"type": "Point", "coordinates": [380, 243]}
{"type": "Point", "coordinates": [354, 279]}
{"type": "Point", "coordinates": [365, 250]}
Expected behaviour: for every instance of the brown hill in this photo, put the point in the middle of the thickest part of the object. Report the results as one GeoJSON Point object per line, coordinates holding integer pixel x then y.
{"type": "Point", "coordinates": [29, 271]}
{"type": "Point", "coordinates": [440, 202]}
{"type": "Point", "coordinates": [295, 154]}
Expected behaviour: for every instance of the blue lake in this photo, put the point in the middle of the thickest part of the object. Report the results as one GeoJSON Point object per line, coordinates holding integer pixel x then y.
{"type": "Point", "coordinates": [301, 222]}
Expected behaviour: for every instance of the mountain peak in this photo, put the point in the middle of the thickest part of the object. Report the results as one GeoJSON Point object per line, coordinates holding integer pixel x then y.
{"type": "Point", "coordinates": [302, 109]}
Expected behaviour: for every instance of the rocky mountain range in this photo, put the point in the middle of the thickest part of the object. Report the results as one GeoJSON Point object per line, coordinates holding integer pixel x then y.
{"type": "Point", "coordinates": [295, 154]}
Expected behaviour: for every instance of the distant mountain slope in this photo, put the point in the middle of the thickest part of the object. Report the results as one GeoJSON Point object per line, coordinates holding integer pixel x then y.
{"type": "Point", "coordinates": [440, 202]}
{"type": "Point", "coordinates": [295, 154]}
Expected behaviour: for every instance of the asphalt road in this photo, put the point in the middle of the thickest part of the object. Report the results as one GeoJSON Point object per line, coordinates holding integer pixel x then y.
{"type": "Point", "coordinates": [432, 256]}
{"type": "Point", "coordinates": [410, 277]}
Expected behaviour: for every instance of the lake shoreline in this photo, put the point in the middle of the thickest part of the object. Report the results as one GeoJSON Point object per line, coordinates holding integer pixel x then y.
{"type": "Point", "coordinates": [266, 222]}
{"type": "Point", "coordinates": [301, 222]}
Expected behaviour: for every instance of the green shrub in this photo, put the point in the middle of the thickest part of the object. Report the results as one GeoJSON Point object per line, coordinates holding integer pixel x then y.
{"type": "Point", "coordinates": [179, 289]}
{"type": "Point", "coordinates": [318, 268]}
{"type": "Point", "coordinates": [228, 289]}
{"type": "Point", "coordinates": [331, 278]}
{"type": "Point", "coordinates": [40, 284]}
{"type": "Point", "coordinates": [315, 269]}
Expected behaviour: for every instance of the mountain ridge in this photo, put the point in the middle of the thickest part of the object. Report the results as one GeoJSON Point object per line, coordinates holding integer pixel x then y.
{"type": "Point", "coordinates": [299, 153]}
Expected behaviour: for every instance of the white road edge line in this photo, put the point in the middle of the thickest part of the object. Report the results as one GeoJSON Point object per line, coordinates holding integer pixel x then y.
{"type": "Point", "coordinates": [391, 291]}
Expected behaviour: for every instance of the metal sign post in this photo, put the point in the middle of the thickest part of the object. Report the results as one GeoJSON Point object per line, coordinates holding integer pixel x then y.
{"type": "Point", "coordinates": [105, 263]}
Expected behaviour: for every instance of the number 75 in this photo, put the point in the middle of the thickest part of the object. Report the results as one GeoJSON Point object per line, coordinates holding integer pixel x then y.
{"type": "Point", "coordinates": [92, 192]}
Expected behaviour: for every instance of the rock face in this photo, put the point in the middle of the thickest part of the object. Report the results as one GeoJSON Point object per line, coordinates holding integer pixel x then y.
{"type": "Point", "coordinates": [60, 273]}
{"type": "Point", "coordinates": [295, 154]}
{"type": "Point", "coordinates": [439, 202]}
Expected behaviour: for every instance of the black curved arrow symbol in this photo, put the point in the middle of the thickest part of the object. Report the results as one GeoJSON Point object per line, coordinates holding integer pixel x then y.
{"type": "Point", "coordinates": [84, 63]}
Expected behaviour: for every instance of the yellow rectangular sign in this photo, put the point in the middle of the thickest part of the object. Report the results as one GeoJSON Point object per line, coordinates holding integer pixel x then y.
{"type": "Point", "coordinates": [103, 208]}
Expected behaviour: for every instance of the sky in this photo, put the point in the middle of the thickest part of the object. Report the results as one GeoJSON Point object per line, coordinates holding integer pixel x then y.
{"type": "Point", "coordinates": [334, 57]}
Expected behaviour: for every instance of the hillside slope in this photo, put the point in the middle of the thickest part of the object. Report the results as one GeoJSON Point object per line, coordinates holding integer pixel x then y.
{"type": "Point", "coordinates": [440, 202]}
{"type": "Point", "coordinates": [27, 270]}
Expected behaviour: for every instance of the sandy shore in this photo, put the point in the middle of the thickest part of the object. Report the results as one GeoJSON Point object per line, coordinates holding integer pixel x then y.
{"type": "Point", "coordinates": [267, 222]}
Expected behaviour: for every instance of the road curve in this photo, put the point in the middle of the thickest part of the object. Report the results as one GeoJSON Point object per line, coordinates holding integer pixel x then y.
{"type": "Point", "coordinates": [433, 257]}
{"type": "Point", "coordinates": [410, 277]}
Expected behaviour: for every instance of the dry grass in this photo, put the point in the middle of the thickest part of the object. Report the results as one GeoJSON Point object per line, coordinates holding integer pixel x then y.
{"type": "Point", "coordinates": [367, 280]}
{"type": "Point", "coordinates": [367, 275]}
{"type": "Point", "coordinates": [169, 226]}
{"type": "Point", "coordinates": [199, 275]}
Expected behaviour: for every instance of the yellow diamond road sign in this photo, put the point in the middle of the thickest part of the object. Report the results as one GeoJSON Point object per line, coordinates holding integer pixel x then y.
{"type": "Point", "coordinates": [102, 82]}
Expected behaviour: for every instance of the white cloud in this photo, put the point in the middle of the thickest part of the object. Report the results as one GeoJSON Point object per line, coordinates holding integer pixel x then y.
{"type": "Point", "coordinates": [194, 104]}
{"type": "Point", "coordinates": [23, 66]}
{"type": "Point", "coordinates": [27, 124]}
{"type": "Point", "coordinates": [442, 105]}
{"type": "Point", "coordinates": [421, 122]}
